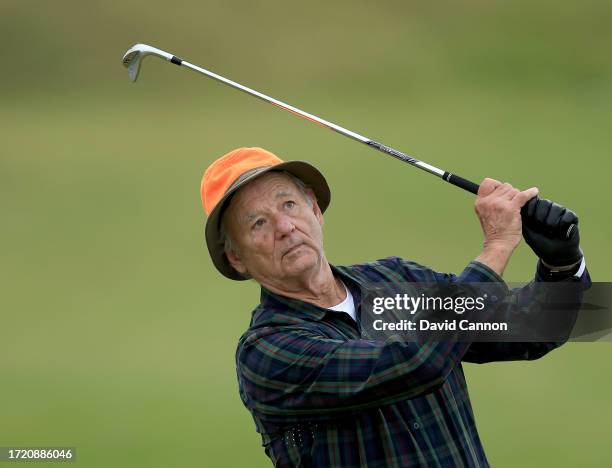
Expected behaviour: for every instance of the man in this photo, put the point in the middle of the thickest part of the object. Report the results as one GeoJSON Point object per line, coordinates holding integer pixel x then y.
{"type": "Point", "coordinates": [320, 394]}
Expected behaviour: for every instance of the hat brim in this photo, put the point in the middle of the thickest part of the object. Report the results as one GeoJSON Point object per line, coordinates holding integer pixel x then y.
{"type": "Point", "coordinates": [306, 172]}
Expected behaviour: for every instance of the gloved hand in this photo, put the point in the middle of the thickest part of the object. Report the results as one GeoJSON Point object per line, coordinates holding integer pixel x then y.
{"type": "Point", "coordinates": [547, 229]}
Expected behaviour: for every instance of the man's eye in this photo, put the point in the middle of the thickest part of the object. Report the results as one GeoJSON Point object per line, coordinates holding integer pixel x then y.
{"type": "Point", "coordinates": [289, 204]}
{"type": "Point", "coordinates": [259, 223]}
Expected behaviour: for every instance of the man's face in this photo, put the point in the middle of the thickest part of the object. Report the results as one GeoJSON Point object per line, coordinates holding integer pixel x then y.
{"type": "Point", "coordinates": [276, 229]}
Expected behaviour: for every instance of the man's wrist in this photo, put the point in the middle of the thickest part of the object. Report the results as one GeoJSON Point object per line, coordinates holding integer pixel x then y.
{"type": "Point", "coordinates": [562, 268]}
{"type": "Point", "coordinates": [496, 256]}
{"type": "Point", "coordinates": [547, 273]}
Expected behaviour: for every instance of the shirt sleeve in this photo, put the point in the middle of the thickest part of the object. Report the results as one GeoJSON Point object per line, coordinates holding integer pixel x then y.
{"type": "Point", "coordinates": [288, 371]}
{"type": "Point", "coordinates": [296, 372]}
{"type": "Point", "coordinates": [483, 352]}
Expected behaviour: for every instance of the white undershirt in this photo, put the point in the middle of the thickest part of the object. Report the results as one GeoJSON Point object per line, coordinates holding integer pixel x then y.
{"type": "Point", "coordinates": [347, 305]}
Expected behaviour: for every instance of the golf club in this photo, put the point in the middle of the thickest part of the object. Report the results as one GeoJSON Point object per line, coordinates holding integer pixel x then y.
{"type": "Point", "coordinates": [133, 58]}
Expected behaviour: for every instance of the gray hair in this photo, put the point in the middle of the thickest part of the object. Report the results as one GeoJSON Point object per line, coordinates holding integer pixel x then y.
{"type": "Point", "coordinates": [230, 245]}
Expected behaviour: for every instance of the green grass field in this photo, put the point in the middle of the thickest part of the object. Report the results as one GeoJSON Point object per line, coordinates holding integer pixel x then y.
{"type": "Point", "coordinates": [117, 334]}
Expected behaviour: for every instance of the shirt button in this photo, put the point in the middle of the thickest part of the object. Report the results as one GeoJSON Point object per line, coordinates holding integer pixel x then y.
{"type": "Point", "coordinates": [416, 425]}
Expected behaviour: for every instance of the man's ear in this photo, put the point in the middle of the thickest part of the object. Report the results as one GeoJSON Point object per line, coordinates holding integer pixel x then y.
{"type": "Point", "coordinates": [315, 205]}
{"type": "Point", "coordinates": [235, 262]}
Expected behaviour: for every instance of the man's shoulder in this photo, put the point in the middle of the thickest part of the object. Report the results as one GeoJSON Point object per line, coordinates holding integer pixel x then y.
{"type": "Point", "coordinates": [271, 325]}
{"type": "Point", "coordinates": [391, 269]}
{"type": "Point", "coordinates": [266, 320]}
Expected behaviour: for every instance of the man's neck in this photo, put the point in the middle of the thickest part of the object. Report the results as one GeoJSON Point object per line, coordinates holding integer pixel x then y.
{"type": "Point", "coordinates": [320, 287]}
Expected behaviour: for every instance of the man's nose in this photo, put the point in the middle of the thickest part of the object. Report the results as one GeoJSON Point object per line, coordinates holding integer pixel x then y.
{"type": "Point", "coordinates": [284, 226]}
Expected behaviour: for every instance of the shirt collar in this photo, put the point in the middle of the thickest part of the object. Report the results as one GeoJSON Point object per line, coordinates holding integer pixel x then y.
{"type": "Point", "coordinates": [277, 309]}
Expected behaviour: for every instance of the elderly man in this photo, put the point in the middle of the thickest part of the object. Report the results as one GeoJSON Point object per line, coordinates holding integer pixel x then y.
{"type": "Point", "coordinates": [322, 395]}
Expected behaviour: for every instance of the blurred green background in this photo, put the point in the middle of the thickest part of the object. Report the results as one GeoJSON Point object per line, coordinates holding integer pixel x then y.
{"type": "Point", "coordinates": [118, 336]}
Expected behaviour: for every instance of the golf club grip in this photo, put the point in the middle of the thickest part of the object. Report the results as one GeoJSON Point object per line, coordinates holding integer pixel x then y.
{"type": "Point", "coordinates": [461, 182]}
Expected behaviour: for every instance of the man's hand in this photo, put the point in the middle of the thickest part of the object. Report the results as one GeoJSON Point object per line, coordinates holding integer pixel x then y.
{"type": "Point", "coordinates": [498, 206]}
{"type": "Point", "coordinates": [546, 226]}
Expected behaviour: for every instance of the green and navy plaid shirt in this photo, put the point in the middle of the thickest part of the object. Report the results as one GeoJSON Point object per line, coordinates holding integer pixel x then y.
{"type": "Point", "coordinates": [322, 396]}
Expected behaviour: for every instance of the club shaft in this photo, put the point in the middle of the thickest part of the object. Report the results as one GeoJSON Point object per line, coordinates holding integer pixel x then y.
{"type": "Point", "coordinates": [130, 60]}
{"type": "Point", "coordinates": [446, 176]}
{"type": "Point", "coordinates": [278, 103]}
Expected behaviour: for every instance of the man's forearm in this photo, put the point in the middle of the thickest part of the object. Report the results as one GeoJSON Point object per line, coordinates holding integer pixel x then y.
{"type": "Point", "coordinates": [481, 352]}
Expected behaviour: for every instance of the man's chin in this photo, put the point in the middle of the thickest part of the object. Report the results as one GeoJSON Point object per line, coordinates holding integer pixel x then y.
{"type": "Point", "coordinates": [299, 262]}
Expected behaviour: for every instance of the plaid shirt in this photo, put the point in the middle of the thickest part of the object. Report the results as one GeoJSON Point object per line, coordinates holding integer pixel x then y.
{"type": "Point", "coordinates": [322, 396]}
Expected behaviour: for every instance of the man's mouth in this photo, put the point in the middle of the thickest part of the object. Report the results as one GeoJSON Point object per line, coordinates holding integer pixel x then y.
{"type": "Point", "coordinates": [292, 249]}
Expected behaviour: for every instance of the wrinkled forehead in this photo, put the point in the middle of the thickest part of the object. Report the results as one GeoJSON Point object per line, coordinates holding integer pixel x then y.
{"type": "Point", "coordinates": [259, 193]}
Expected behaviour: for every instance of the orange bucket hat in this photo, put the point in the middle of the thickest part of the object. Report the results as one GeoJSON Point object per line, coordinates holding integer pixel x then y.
{"type": "Point", "coordinates": [228, 174]}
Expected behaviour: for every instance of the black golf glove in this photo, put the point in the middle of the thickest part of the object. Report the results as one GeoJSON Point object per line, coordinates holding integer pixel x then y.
{"type": "Point", "coordinates": [551, 231]}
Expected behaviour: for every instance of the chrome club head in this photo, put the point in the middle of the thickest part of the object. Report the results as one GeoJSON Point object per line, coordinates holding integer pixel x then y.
{"type": "Point", "coordinates": [134, 56]}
